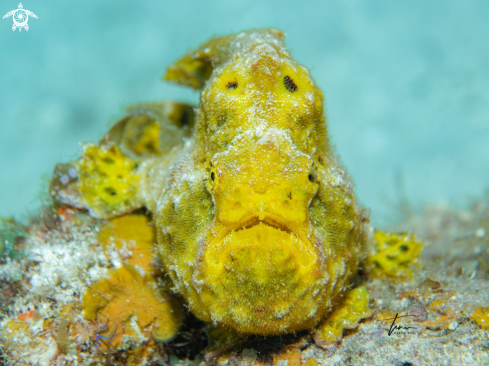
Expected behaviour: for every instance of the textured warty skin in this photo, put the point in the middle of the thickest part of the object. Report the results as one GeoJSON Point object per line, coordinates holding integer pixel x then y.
{"type": "Point", "coordinates": [256, 220]}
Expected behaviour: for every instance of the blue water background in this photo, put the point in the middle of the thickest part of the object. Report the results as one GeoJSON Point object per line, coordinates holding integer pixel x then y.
{"type": "Point", "coordinates": [406, 84]}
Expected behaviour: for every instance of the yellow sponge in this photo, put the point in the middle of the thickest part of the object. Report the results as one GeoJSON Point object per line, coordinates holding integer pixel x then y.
{"type": "Point", "coordinates": [394, 255]}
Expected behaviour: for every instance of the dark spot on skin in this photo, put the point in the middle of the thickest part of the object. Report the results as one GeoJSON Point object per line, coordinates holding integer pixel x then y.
{"type": "Point", "coordinates": [320, 159]}
{"type": "Point", "coordinates": [222, 119]}
{"type": "Point", "coordinates": [223, 143]}
{"type": "Point", "coordinates": [111, 191]}
{"type": "Point", "coordinates": [213, 176]}
{"type": "Point", "coordinates": [185, 118]}
{"type": "Point", "coordinates": [289, 84]}
{"type": "Point", "coordinates": [108, 160]}
{"type": "Point", "coordinates": [404, 248]}
{"type": "Point", "coordinates": [312, 177]}
{"type": "Point", "coordinates": [232, 85]}
{"type": "Point", "coordinates": [290, 195]}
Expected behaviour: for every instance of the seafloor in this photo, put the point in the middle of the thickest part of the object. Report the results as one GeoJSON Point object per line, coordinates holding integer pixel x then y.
{"type": "Point", "coordinates": [47, 266]}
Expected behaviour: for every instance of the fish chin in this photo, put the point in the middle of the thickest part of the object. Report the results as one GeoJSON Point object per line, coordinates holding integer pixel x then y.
{"type": "Point", "coordinates": [261, 280]}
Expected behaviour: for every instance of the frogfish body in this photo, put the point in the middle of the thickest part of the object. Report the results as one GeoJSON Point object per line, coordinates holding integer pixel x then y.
{"type": "Point", "coordinates": [257, 223]}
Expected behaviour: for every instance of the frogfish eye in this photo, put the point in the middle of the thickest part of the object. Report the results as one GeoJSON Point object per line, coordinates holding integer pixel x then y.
{"type": "Point", "coordinates": [313, 176]}
{"type": "Point", "coordinates": [232, 85]}
{"type": "Point", "coordinates": [289, 84]}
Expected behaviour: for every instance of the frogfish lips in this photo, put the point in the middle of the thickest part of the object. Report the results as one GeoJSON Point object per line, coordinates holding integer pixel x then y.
{"type": "Point", "coordinates": [262, 280]}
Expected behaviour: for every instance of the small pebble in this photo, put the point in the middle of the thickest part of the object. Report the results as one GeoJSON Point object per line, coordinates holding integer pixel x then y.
{"type": "Point", "coordinates": [418, 313]}
{"type": "Point", "coordinates": [72, 173]}
{"type": "Point", "coordinates": [452, 326]}
{"type": "Point", "coordinates": [480, 233]}
{"type": "Point", "coordinates": [64, 179]}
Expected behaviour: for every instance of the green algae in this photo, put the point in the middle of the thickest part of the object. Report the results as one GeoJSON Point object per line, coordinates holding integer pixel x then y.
{"type": "Point", "coordinates": [11, 232]}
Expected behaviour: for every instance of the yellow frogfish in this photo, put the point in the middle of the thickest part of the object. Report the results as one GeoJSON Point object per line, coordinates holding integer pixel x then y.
{"type": "Point", "coordinates": [257, 223]}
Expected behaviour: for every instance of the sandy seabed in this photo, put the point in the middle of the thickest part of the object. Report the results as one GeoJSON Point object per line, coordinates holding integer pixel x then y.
{"type": "Point", "coordinates": [60, 260]}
